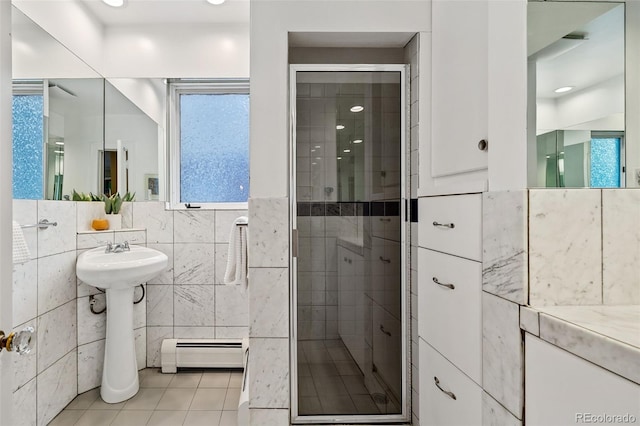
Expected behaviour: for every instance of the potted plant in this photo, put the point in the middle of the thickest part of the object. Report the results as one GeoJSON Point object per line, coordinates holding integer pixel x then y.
{"type": "Point", "coordinates": [112, 206]}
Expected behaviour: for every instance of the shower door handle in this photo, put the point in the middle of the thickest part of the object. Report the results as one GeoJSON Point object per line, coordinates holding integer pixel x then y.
{"type": "Point", "coordinates": [294, 243]}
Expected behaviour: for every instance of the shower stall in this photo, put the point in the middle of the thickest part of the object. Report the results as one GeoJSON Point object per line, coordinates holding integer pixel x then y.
{"type": "Point", "coordinates": [349, 239]}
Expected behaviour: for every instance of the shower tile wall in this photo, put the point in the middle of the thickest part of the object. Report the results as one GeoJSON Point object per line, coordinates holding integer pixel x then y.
{"type": "Point", "coordinates": [411, 51]}
{"type": "Point", "coordinates": [189, 299]}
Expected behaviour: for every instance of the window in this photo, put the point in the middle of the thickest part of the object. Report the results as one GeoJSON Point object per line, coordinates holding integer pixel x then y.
{"type": "Point", "coordinates": [28, 141]}
{"type": "Point", "coordinates": [209, 140]}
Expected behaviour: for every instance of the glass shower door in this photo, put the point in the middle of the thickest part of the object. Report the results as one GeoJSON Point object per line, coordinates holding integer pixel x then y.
{"type": "Point", "coordinates": [349, 274]}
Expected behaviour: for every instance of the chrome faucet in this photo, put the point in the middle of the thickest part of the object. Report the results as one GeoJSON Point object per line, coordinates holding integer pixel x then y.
{"type": "Point", "coordinates": [117, 248]}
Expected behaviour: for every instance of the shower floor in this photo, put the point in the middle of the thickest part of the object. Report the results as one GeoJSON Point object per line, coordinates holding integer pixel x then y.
{"type": "Point", "coordinates": [329, 380]}
{"type": "Point", "coordinates": [188, 398]}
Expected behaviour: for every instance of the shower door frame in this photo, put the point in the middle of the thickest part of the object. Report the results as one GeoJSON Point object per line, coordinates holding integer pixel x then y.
{"type": "Point", "coordinates": [405, 415]}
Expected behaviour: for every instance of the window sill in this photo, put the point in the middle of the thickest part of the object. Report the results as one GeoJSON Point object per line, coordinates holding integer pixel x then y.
{"type": "Point", "coordinates": [207, 206]}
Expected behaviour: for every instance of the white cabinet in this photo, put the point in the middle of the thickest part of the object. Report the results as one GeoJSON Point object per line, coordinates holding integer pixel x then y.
{"type": "Point", "coordinates": [459, 116]}
{"type": "Point", "coordinates": [563, 389]}
{"type": "Point", "coordinates": [453, 305]}
{"type": "Point", "coordinates": [452, 224]}
{"type": "Point", "coordinates": [447, 396]}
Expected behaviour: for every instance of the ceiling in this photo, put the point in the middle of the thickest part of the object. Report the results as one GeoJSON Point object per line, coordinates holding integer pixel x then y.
{"type": "Point", "coordinates": [149, 12]}
{"type": "Point", "coordinates": [581, 64]}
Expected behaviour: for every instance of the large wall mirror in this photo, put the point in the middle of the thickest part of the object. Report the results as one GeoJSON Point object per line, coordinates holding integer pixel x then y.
{"type": "Point", "coordinates": [576, 53]}
{"type": "Point", "coordinates": [75, 130]}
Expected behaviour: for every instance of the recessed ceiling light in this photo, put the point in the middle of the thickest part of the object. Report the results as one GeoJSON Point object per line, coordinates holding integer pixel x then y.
{"type": "Point", "coordinates": [548, 156]}
{"type": "Point", "coordinates": [358, 141]}
{"type": "Point", "coordinates": [216, 2]}
{"type": "Point", "coordinates": [357, 108]}
{"type": "Point", "coordinates": [114, 3]}
{"type": "Point", "coordinates": [339, 127]}
{"type": "Point", "coordinates": [339, 158]}
{"type": "Point", "coordinates": [347, 150]}
{"type": "Point", "coordinates": [563, 89]}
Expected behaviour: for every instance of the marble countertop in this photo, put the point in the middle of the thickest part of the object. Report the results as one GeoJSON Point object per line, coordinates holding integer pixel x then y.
{"type": "Point", "coordinates": [607, 335]}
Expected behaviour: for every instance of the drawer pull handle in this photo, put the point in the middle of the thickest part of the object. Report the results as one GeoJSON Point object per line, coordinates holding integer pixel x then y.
{"type": "Point", "coordinates": [451, 286]}
{"type": "Point", "coordinates": [384, 331]}
{"type": "Point", "coordinates": [448, 393]}
{"type": "Point", "coordinates": [385, 219]}
{"type": "Point", "coordinates": [382, 259]}
{"type": "Point", "coordinates": [444, 225]}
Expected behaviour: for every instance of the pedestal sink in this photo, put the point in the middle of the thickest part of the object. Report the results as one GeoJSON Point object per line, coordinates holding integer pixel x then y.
{"type": "Point", "coordinates": [118, 272]}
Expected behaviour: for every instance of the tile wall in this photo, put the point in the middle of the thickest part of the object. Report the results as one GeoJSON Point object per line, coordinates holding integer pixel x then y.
{"type": "Point", "coordinates": [549, 247]}
{"type": "Point", "coordinates": [583, 246]}
{"type": "Point", "coordinates": [44, 296]}
{"type": "Point", "coordinates": [187, 300]}
{"type": "Point", "coordinates": [412, 51]}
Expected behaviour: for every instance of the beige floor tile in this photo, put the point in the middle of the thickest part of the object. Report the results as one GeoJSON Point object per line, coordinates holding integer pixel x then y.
{"type": "Point", "coordinates": [203, 418]}
{"type": "Point", "coordinates": [232, 398]}
{"type": "Point", "coordinates": [348, 368]}
{"type": "Point", "coordinates": [337, 404]}
{"type": "Point", "coordinates": [84, 400]}
{"type": "Point", "coordinates": [236, 379]}
{"type": "Point", "coordinates": [167, 418]}
{"type": "Point", "coordinates": [215, 379]}
{"type": "Point", "coordinates": [67, 418]}
{"type": "Point", "coordinates": [99, 404]}
{"type": "Point", "coordinates": [132, 418]}
{"type": "Point", "coordinates": [229, 418]}
{"type": "Point", "coordinates": [329, 385]}
{"type": "Point", "coordinates": [145, 399]}
{"type": "Point", "coordinates": [355, 385]}
{"type": "Point", "coordinates": [97, 418]}
{"type": "Point", "coordinates": [364, 404]}
{"type": "Point", "coordinates": [208, 399]}
{"type": "Point", "coordinates": [176, 399]}
{"type": "Point", "coordinates": [185, 380]}
{"type": "Point", "coordinates": [306, 386]}
{"type": "Point", "coordinates": [310, 405]}
{"type": "Point", "coordinates": [158, 380]}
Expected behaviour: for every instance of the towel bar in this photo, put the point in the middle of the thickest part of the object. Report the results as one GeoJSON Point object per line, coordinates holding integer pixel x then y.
{"type": "Point", "coordinates": [43, 224]}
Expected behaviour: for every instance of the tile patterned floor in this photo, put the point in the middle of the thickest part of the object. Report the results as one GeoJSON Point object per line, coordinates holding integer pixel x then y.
{"type": "Point", "coordinates": [189, 398]}
{"type": "Point", "coordinates": [330, 381]}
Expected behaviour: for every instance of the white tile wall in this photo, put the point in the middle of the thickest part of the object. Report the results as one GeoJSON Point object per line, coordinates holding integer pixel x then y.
{"type": "Point", "coordinates": [621, 246]}
{"type": "Point", "coordinates": [44, 297]}
{"type": "Point", "coordinates": [57, 386]}
{"type": "Point", "coordinates": [185, 301]}
{"type": "Point", "coordinates": [565, 256]}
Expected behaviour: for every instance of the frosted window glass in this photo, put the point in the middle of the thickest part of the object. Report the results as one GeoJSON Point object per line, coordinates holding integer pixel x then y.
{"type": "Point", "coordinates": [605, 163]}
{"type": "Point", "coordinates": [214, 148]}
{"type": "Point", "coordinates": [28, 139]}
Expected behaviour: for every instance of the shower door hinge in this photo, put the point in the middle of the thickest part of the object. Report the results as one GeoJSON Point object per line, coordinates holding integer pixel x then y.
{"type": "Point", "coordinates": [294, 243]}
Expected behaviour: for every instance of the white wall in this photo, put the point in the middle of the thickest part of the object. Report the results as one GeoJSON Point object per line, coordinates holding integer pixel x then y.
{"type": "Point", "coordinates": [270, 23]}
{"type": "Point", "coordinates": [153, 51]}
{"type": "Point", "coordinates": [71, 24]}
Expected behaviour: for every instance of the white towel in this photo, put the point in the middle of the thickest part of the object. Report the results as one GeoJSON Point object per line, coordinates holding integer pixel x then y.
{"type": "Point", "coordinates": [236, 272]}
{"type": "Point", "coordinates": [20, 250]}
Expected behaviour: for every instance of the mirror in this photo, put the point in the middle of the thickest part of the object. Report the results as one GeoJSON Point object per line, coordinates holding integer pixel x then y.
{"type": "Point", "coordinates": [74, 130]}
{"type": "Point", "coordinates": [576, 53]}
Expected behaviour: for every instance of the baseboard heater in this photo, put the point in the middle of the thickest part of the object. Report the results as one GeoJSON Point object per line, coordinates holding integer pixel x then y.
{"type": "Point", "coordinates": [200, 353]}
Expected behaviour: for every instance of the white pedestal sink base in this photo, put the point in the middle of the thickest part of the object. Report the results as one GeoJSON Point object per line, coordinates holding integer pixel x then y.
{"type": "Point", "coordinates": [120, 373]}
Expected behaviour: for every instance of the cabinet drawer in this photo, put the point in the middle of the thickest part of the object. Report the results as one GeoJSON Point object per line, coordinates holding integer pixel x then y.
{"type": "Point", "coordinates": [438, 408]}
{"type": "Point", "coordinates": [452, 224]}
{"type": "Point", "coordinates": [387, 348]}
{"type": "Point", "coordinates": [451, 319]}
